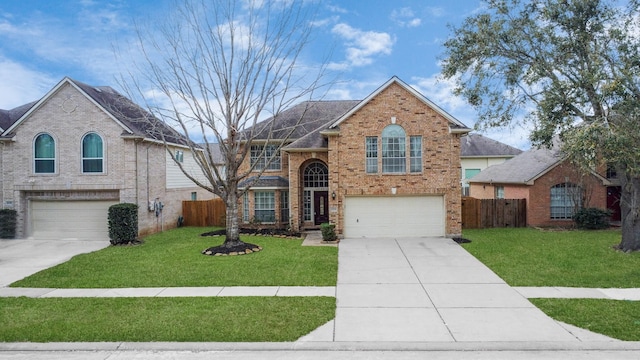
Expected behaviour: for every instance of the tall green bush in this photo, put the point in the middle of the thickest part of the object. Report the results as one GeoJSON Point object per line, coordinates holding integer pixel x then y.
{"type": "Point", "coordinates": [123, 223]}
{"type": "Point", "coordinates": [8, 223]}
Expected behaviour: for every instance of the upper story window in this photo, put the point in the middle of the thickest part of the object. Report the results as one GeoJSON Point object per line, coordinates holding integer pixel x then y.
{"type": "Point", "coordinates": [44, 149]}
{"type": "Point", "coordinates": [566, 198]}
{"type": "Point", "coordinates": [415, 153]}
{"type": "Point", "coordinates": [92, 154]}
{"type": "Point", "coordinates": [265, 157]}
{"type": "Point", "coordinates": [371, 149]}
{"type": "Point", "coordinates": [394, 150]}
{"type": "Point", "coordinates": [499, 192]}
{"type": "Point", "coordinates": [179, 156]}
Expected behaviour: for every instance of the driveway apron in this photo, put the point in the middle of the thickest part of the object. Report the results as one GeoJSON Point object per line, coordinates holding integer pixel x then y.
{"type": "Point", "coordinates": [20, 258]}
{"type": "Point", "coordinates": [429, 289]}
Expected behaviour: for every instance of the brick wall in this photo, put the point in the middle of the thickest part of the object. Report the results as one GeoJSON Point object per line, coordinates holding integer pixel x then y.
{"type": "Point", "coordinates": [440, 158]}
{"type": "Point", "coordinates": [67, 116]}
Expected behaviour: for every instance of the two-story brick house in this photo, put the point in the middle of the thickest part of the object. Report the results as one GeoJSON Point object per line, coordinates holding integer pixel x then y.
{"type": "Point", "coordinates": [80, 149]}
{"type": "Point", "coordinates": [388, 165]}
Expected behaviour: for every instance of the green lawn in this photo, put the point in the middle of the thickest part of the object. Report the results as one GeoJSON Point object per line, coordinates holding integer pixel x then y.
{"type": "Point", "coordinates": [173, 259]}
{"type": "Point", "coordinates": [530, 257]}
{"type": "Point", "coordinates": [214, 319]}
{"type": "Point", "coordinates": [614, 318]}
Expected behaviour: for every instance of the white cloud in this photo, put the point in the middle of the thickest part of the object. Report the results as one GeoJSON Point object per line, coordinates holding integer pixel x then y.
{"type": "Point", "coordinates": [362, 46]}
{"type": "Point", "coordinates": [19, 84]}
{"type": "Point", "coordinates": [405, 17]}
{"type": "Point", "coordinates": [440, 91]}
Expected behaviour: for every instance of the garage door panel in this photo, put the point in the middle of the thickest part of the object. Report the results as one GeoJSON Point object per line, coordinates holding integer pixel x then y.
{"type": "Point", "coordinates": [394, 216]}
{"type": "Point", "coordinates": [87, 220]}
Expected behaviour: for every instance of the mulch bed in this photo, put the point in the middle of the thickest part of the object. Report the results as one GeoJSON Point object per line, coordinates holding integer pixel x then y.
{"type": "Point", "coordinates": [461, 240]}
{"type": "Point", "coordinates": [249, 231]}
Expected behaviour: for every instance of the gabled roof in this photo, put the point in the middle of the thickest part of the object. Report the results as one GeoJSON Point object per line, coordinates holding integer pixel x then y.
{"type": "Point", "coordinates": [304, 118]}
{"type": "Point", "coordinates": [476, 145]}
{"type": "Point", "coordinates": [454, 124]}
{"type": "Point", "coordinates": [526, 168]}
{"type": "Point", "coordinates": [133, 119]}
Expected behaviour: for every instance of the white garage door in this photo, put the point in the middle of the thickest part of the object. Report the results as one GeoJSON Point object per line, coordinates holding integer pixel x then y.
{"type": "Point", "coordinates": [394, 216]}
{"type": "Point", "coordinates": [85, 220]}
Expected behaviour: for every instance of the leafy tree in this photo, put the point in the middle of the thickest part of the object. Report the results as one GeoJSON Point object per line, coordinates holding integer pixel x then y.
{"type": "Point", "coordinates": [218, 68]}
{"type": "Point", "coordinates": [572, 69]}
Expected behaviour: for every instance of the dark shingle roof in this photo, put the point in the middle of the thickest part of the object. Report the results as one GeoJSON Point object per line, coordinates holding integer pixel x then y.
{"type": "Point", "coordinates": [478, 145]}
{"type": "Point", "coordinates": [136, 119]}
{"type": "Point", "coordinates": [310, 115]}
{"type": "Point", "coordinates": [8, 117]}
{"type": "Point", "coordinates": [265, 181]}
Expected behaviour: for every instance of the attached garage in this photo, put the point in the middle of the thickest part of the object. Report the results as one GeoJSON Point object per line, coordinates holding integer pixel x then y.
{"type": "Point", "coordinates": [83, 220]}
{"type": "Point", "coordinates": [394, 216]}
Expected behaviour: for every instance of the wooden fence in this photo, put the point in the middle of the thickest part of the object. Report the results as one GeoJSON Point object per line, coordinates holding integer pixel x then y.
{"type": "Point", "coordinates": [204, 212]}
{"type": "Point", "coordinates": [493, 213]}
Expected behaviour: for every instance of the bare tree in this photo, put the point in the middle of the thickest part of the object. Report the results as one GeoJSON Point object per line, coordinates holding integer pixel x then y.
{"type": "Point", "coordinates": [218, 69]}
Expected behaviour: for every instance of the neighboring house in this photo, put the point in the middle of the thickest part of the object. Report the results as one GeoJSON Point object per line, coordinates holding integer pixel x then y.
{"type": "Point", "coordinates": [80, 149]}
{"type": "Point", "coordinates": [388, 165]}
{"type": "Point", "coordinates": [552, 186]}
{"type": "Point", "coordinates": [478, 153]}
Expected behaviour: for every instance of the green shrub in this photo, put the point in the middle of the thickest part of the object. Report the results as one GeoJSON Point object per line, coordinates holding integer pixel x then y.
{"type": "Point", "coordinates": [123, 223]}
{"type": "Point", "coordinates": [7, 223]}
{"type": "Point", "coordinates": [328, 232]}
{"type": "Point", "coordinates": [592, 218]}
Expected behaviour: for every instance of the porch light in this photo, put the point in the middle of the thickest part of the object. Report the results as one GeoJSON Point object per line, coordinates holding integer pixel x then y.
{"type": "Point", "coordinates": [333, 195]}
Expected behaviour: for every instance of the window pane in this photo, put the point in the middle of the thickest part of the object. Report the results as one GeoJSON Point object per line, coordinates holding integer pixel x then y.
{"type": "Point", "coordinates": [415, 146]}
{"type": "Point", "coordinates": [45, 166]}
{"type": "Point", "coordinates": [44, 154]}
{"type": "Point", "coordinates": [265, 209]}
{"type": "Point", "coordinates": [284, 206]}
{"type": "Point", "coordinates": [565, 199]}
{"type": "Point", "coordinates": [92, 154]}
{"type": "Point", "coordinates": [371, 149]}
{"type": "Point", "coordinates": [393, 150]}
{"type": "Point", "coordinates": [316, 175]}
{"type": "Point", "coordinates": [261, 154]}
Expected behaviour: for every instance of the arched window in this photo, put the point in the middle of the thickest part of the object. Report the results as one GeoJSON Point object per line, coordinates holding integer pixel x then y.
{"type": "Point", "coordinates": [316, 175]}
{"type": "Point", "coordinates": [92, 154]}
{"type": "Point", "coordinates": [393, 149]}
{"type": "Point", "coordinates": [44, 149]}
{"type": "Point", "coordinates": [566, 198]}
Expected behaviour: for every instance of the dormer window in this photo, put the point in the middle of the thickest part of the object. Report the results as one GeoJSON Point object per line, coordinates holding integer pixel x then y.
{"type": "Point", "coordinates": [44, 148]}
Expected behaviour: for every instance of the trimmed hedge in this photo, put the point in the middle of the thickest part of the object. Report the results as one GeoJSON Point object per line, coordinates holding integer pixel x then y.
{"type": "Point", "coordinates": [8, 223]}
{"type": "Point", "coordinates": [328, 232]}
{"type": "Point", "coordinates": [123, 223]}
{"type": "Point", "coordinates": [592, 218]}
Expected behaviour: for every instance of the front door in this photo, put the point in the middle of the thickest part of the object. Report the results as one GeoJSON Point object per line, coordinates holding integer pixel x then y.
{"type": "Point", "coordinates": [320, 207]}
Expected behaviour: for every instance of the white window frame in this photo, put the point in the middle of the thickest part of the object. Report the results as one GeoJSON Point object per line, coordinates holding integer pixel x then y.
{"type": "Point", "coordinates": [264, 201]}
{"type": "Point", "coordinates": [371, 154]}
{"type": "Point", "coordinates": [261, 154]}
{"type": "Point", "coordinates": [394, 150]}
{"type": "Point", "coordinates": [37, 159]}
{"type": "Point", "coordinates": [101, 158]}
{"type": "Point", "coordinates": [415, 154]}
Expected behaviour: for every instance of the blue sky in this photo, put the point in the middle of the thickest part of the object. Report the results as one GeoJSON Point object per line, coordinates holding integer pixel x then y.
{"type": "Point", "coordinates": [41, 41]}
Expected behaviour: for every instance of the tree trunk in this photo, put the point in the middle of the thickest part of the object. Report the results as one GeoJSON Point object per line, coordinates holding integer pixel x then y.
{"type": "Point", "coordinates": [232, 226]}
{"type": "Point", "coordinates": [630, 210]}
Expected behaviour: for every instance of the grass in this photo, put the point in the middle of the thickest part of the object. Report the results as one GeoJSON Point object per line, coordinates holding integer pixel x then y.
{"type": "Point", "coordinates": [614, 318]}
{"type": "Point", "coordinates": [531, 257]}
{"type": "Point", "coordinates": [173, 259]}
{"type": "Point", "coordinates": [238, 319]}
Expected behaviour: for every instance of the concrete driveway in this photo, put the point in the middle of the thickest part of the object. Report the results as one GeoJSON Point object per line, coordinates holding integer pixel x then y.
{"type": "Point", "coordinates": [20, 258]}
{"type": "Point", "coordinates": [431, 290]}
